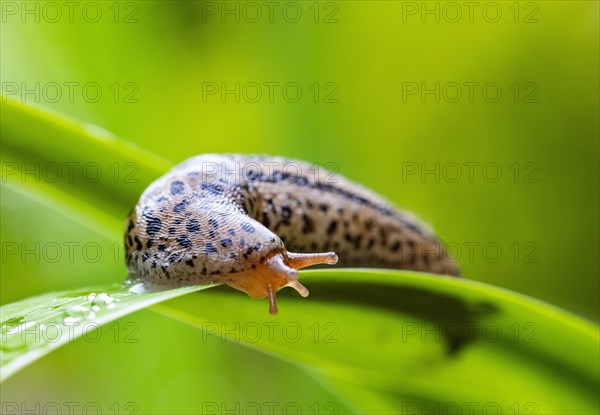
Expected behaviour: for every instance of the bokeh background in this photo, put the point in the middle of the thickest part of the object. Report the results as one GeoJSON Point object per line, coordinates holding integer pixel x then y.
{"type": "Point", "coordinates": [510, 181]}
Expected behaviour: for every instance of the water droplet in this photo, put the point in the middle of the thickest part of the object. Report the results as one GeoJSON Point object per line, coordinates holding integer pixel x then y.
{"type": "Point", "coordinates": [137, 288]}
{"type": "Point", "coordinates": [103, 299]}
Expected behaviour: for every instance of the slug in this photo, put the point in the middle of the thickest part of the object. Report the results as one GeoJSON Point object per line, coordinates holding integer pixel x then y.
{"type": "Point", "coordinates": [229, 218]}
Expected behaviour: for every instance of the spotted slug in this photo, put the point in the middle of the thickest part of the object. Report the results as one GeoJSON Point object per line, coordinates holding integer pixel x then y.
{"type": "Point", "coordinates": [232, 218]}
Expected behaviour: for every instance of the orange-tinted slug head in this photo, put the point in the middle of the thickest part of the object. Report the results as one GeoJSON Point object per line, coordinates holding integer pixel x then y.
{"type": "Point", "coordinates": [277, 271]}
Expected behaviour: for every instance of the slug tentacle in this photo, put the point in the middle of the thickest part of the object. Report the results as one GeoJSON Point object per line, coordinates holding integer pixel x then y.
{"type": "Point", "coordinates": [277, 271]}
{"type": "Point", "coordinates": [229, 218]}
{"type": "Point", "coordinates": [299, 261]}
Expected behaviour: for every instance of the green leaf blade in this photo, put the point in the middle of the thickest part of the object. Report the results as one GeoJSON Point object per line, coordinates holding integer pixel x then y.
{"type": "Point", "coordinates": [74, 165]}
{"type": "Point", "coordinates": [34, 327]}
{"type": "Point", "coordinates": [434, 338]}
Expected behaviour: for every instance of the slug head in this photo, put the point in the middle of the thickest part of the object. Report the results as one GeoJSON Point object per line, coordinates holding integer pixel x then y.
{"type": "Point", "coordinates": [276, 271]}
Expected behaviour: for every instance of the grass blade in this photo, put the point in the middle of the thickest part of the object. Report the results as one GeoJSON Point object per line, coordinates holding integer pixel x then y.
{"type": "Point", "coordinates": [75, 165]}
{"type": "Point", "coordinates": [436, 339]}
{"type": "Point", "coordinates": [34, 327]}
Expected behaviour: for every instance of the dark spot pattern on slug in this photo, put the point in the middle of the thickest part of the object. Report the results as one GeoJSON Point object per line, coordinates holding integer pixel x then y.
{"type": "Point", "coordinates": [172, 230]}
{"type": "Point", "coordinates": [193, 226]}
{"type": "Point", "coordinates": [248, 227]}
{"type": "Point", "coordinates": [413, 227]}
{"type": "Point", "coordinates": [149, 243]}
{"type": "Point", "coordinates": [308, 225]}
{"type": "Point", "coordinates": [383, 236]}
{"type": "Point", "coordinates": [138, 243]}
{"type": "Point", "coordinates": [184, 241]}
{"type": "Point", "coordinates": [210, 248]}
{"type": "Point", "coordinates": [189, 262]}
{"type": "Point", "coordinates": [226, 243]}
{"type": "Point", "coordinates": [181, 206]}
{"type": "Point", "coordinates": [301, 181]}
{"type": "Point", "coordinates": [130, 226]}
{"type": "Point", "coordinates": [153, 224]}
{"type": "Point", "coordinates": [213, 223]}
{"type": "Point", "coordinates": [277, 176]}
{"type": "Point", "coordinates": [162, 247]}
{"type": "Point", "coordinates": [252, 175]}
{"type": "Point", "coordinates": [286, 213]}
{"type": "Point", "coordinates": [177, 187]}
{"type": "Point", "coordinates": [215, 189]}
{"type": "Point", "coordinates": [332, 227]}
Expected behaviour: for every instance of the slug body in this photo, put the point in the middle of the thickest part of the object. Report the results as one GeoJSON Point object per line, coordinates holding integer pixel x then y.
{"type": "Point", "coordinates": [229, 219]}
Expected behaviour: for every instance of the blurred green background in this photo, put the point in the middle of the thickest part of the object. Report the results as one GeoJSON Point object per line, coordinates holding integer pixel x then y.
{"type": "Point", "coordinates": [524, 218]}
